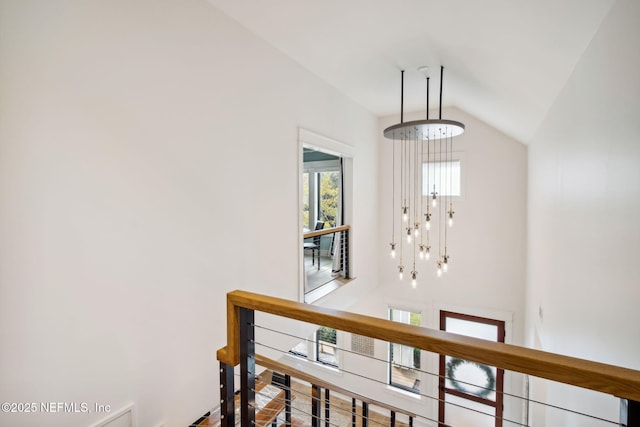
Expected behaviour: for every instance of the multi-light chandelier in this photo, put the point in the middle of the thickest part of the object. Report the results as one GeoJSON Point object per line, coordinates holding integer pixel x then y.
{"type": "Point", "coordinates": [424, 188]}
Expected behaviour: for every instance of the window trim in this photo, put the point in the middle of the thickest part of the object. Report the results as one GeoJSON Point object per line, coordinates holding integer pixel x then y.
{"type": "Point", "coordinates": [498, 403]}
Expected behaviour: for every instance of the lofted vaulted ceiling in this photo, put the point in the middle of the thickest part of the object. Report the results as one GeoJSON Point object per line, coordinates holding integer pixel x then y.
{"type": "Point", "coordinates": [505, 60]}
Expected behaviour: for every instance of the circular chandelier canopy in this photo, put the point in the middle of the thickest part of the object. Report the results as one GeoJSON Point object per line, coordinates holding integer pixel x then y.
{"type": "Point", "coordinates": [424, 129]}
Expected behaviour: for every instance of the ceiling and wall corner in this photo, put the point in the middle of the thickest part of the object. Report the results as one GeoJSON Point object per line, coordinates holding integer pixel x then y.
{"type": "Point", "coordinates": [506, 61]}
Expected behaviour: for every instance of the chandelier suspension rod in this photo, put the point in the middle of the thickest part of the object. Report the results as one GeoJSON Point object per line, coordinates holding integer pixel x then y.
{"type": "Point", "coordinates": [402, 96]}
{"type": "Point", "coordinates": [427, 98]}
{"type": "Point", "coordinates": [440, 106]}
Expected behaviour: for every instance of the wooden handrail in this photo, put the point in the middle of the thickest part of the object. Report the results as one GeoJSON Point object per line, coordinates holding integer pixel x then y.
{"type": "Point", "coordinates": [325, 231]}
{"type": "Point", "coordinates": [296, 373]}
{"type": "Point", "coordinates": [615, 380]}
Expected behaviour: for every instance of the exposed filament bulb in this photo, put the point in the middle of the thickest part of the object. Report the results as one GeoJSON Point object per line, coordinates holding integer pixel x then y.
{"type": "Point", "coordinates": [451, 218]}
{"type": "Point", "coordinates": [421, 248]}
{"type": "Point", "coordinates": [400, 272]}
{"type": "Point", "coordinates": [405, 214]}
{"type": "Point", "coordinates": [426, 253]}
{"type": "Point", "coordinates": [408, 234]}
{"type": "Point", "coordinates": [427, 221]}
{"type": "Point", "coordinates": [434, 200]}
{"type": "Point", "coordinates": [439, 268]}
{"type": "Point", "coordinates": [416, 229]}
{"type": "Point", "coordinates": [414, 275]}
{"type": "Point", "coordinates": [393, 250]}
{"type": "Point", "coordinates": [445, 263]}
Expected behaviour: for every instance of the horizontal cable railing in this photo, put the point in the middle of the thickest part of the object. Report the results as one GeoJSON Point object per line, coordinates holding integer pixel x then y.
{"type": "Point", "coordinates": [246, 336]}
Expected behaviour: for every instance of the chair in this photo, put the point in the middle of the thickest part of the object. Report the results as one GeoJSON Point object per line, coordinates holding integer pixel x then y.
{"type": "Point", "coordinates": [315, 245]}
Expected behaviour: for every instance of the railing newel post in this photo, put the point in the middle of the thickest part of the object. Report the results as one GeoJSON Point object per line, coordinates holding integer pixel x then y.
{"type": "Point", "coordinates": [287, 398]}
{"type": "Point", "coordinates": [365, 414]}
{"type": "Point", "coordinates": [316, 395]}
{"type": "Point", "coordinates": [247, 368]}
{"type": "Point", "coordinates": [629, 413]}
{"type": "Point", "coordinates": [327, 411]}
{"type": "Point", "coordinates": [346, 256]}
{"type": "Point", "coordinates": [354, 409]}
{"type": "Point", "coordinates": [227, 404]}
{"type": "Point", "coordinates": [393, 418]}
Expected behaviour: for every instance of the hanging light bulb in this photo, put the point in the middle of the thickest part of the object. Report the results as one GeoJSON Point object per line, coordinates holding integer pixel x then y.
{"type": "Point", "coordinates": [439, 268]}
{"type": "Point", "coordinates": [414, 274]}
{"type": "Point", "coordinates": [451, 218]}
{"type": "Point", "coordinates": [421, 250]}
{"type": "Point", "coordinates": [445, 263]}
{"type": "Point", "coordinates": [434, 200]}
{"type": "Point", "coordinates": [426, 253]}
{"type": "Point", "coordinates": [416, 229]}
{"type": "Point", "coordinates": [405, 214]}
{"type": "Point", "coordinates": [400, 272]}
{"type": "Point", "coordinates": [408, 234]}
{"type": "Point", "coordinates": [393, 250]}
{"type": "Point", "coordinates": [427, 220]}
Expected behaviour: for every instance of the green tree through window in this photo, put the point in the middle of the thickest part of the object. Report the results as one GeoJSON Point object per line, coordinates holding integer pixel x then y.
{"type": "Point", "coordinates": [329, 193]}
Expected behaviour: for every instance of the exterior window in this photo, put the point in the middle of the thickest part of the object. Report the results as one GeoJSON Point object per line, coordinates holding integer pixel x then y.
{"type": "Point", "coordinates": [329, 183]}
{"type": "Point", "coordinates": [321, 190]}
{"type": "Point", "coordinates": [326, 346]}
{"type": "Point", "coordinates": [435, 177]}
{"type": "Point", "coordinates": [404, 361]}
{"type": "Point", "coordinates": [305, 200]}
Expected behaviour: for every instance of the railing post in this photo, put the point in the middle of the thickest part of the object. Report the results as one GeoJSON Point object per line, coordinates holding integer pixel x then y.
{"type": "Point", "coordinates": [354, 409]}
{"type": "Point", "coordinates": [345, 253]}
{"type": "Point", "coordinates": [327, 411]}
{"type": "Point", "coordinates": [247, 368]}
{"type": "Point", "coordinates": [393, 419]}
{"type": "Point", "coordinates": [629, 413]}
{"type": "Point", "coordinates": [365, 414]}
{"type": "Point", "coordinates": [287, 400]}
{"type": "Point", "coordinates": [316, 395]}
{"type": "Point", "coordinates": [227, 410]}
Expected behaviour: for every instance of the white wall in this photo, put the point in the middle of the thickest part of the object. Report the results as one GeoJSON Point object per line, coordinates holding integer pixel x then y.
{"type": "Point", "coordinates": [148, 153]}
{"type": "Point", "coordinates": [584, 205]}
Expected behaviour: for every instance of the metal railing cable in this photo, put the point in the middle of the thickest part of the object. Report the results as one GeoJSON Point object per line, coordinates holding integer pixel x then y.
{"type": "Point", "coordinates": [551, 371]}
{"type": "Point", "coordinates": [436, 375]}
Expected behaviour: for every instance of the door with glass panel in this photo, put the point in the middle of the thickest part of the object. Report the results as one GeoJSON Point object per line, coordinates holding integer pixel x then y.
{"type": "Point", "coordinates": [470, 392]}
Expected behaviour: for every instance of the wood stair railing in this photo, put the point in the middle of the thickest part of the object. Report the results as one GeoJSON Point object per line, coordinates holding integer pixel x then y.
{"type": "Point", "coordinates": [621, 382]}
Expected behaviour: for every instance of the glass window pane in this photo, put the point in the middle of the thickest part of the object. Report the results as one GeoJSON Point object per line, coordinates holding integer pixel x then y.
{"type": "Point", "coordinates": [441, 177]}
{"type": "Point", "coordinates": [305, 200]}
{"type": "Point", "coordinates": [472, 329]}
{"type": "Point", "coordinates": [326, 344]}
{"type": "Point", "coordinates": [465, 412]}
{"type": "Point", "coordinates": [329, 194]}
